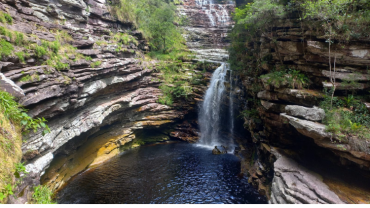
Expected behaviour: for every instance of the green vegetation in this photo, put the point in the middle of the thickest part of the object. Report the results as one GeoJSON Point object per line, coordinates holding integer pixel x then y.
{"type": "Point", "coordinates": [33, 77]}
{"type": "Point", "coordinates": [88, 58]}
{"type": "Point", "coordinates": [42, 195]}
{"type": "Point", "coordinates": [5, 18]}
{"type": "Point", "coordinates": [101, 42]}
{"type": "Point", "coordinates": [6, 48]}
{"type": "Point", "coordinates": [8, 190]}
{"type": "Point", "coordinates": [57, 51]}
{"type": "Point", "coordinates": [176, 84]}
{"type": "Point", "coordinates": [21, 55]}
{"type": "Point", "coordinates": [251, 114]}
{"type": "Point", "coordinates": [19, 170]}
{"type": "Point", "coordinates": [155, 18]}
{"type": "Point", "coordinates": [17, 114]}
{"type": "Point", "coordinates": [347, 117]}
{"type": "Point", "coordinates": [56, 61]}
{"type": "Point", "coordinates": [13, 122]}
{"type": "Point", "coordinates": [125, 39]}
{"type": "Point", "coordinates": [342, 20]}
{"type": "Point", "coordinates": [95, 64]}
{"type": "Point", "coordinates": [176, 80]}
{"type": "Point", "coordinates": [293, 78]}
{"type": "Point", "coordinates": [40, 51]}
{"type": "Point", "coordinates": [5, 32]}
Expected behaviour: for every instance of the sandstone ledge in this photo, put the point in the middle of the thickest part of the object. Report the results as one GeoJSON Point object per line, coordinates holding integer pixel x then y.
{"type": "Point", "coordinates": [294, 184]}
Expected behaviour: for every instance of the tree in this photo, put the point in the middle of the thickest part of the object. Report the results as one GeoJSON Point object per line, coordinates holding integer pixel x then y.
{"type": "Point", "coordinates": [164, 34]}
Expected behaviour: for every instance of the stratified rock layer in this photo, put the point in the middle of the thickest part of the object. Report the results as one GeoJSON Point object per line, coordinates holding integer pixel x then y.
{"type": "Point", "coordinates": [285, 116]}
{"type": "Point", "coordinates": [208, 26]}
{"type": "Point", "coordinates": [294, 184]}
{"type": "Point", "coordinates": [93, 111]}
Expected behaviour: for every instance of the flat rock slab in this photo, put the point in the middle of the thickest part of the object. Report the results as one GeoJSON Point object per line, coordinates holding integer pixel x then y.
{"type": "Point", "coordinates": [312, 114]}
{"type": "Point", "coordinates": [9, 86]}
{"type": "Point", "coordinates": [295, 184]}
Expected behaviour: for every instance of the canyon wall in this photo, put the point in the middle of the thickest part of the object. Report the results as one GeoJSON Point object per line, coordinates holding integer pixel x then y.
{"type": "Point", "coordinates": [104, 98]}
{"type": "Point", "coordinates": [209, 23]}
{"type": "Point", "coordinates": [289, 156]}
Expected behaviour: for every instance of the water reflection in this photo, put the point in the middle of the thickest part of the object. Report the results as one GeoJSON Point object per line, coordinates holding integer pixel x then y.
{"type": "Point", "coordinates": [168, 173]}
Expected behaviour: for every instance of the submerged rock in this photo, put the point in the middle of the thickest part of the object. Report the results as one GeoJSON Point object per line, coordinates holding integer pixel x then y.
{"type": "Point", "coordinates": [216, 151]}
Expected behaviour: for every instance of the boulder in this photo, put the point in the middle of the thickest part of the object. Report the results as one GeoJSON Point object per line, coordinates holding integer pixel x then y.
{"type": "Point", "coordinates": [216, 151]}
{"type": "Point", "coordinates": [9, 86]}
{"type": "Point", "coordinates": [312, 114]}
{"type": "Point", "coordinates": [273, 107]}
{"type": "Point", "coordinates": [310, 129]}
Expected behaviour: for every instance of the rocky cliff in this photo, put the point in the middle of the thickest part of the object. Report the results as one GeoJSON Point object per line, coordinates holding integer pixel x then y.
{"type": "Point", "coordinates": [209, 23]}
{"type": "Point", "coordinates": [95, 88]}
{"type": "Point", "coordinates": [290, 155]}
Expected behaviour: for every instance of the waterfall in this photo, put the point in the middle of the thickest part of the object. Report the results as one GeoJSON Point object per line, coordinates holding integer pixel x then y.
{"type": "Point", "coordinates": [210, 16]}
{"type": "Point", "coordinates": [231, 105]}
{"type": "Point", "coordinates": [209, 115]}
{"type": "Point", "coordinates": [225, 16]}
{"type": "Point", "coordinates": [221, 13]}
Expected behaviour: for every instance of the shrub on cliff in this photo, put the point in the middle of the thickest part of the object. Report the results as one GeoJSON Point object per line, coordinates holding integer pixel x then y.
{"type": "Point", "coordinates": [13, 122]}
{"type": "Point", "coordinates": [341, 20]}
{"type": "Point", "coordinates": [5, 18]}
{"type": "Point", "coordinates": [291, 78]}
{"type": "Point", "coordinates": [10, 155]}
{"type": "Point", "coordinates": [6, 48]}
{"type": "Point", "coordinates": [17, 114]}
{"type": "Point", "coordinates": [155, 18]}
{"type": "Point", "coordinates": [42, 195]}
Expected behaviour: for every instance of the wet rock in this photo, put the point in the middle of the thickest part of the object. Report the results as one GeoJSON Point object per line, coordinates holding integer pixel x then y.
{"type": "Point", "coordinates": [207, 30]}
{"type": "Point", "coordinates": [216, 151]}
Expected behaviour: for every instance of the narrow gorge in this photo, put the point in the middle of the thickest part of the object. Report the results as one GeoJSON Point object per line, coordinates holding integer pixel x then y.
{"type": "Point", "coordinates": [198, 101]}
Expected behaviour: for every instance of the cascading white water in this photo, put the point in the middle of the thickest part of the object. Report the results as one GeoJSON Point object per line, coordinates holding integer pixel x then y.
{"type": "Point", "coordinates": [209, 115]}
{"type": "Point", "coordinates": [231, 104]}
{"type": "Point", "coordinates": [221, 13]}
{"type": "Point", "coordinates": [224, 18]}
{"type": "Point", "coordinates": [210, 16]}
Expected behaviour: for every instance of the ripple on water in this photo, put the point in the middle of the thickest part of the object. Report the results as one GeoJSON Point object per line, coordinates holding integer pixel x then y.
{"type": "Point", "coordinates": [169, 173]}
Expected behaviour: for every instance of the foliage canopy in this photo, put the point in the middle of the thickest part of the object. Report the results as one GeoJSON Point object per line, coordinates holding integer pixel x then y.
{"type": "Point", "coordinates": [155, 18]}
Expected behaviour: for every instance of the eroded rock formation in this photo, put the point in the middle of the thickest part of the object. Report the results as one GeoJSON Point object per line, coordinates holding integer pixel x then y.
{"type": "Point", "coordinates": [209, 22]}
{"type": "Point", "coordinates": [288, 118]}
{"type": "Point", "coordinates": [98, 105]}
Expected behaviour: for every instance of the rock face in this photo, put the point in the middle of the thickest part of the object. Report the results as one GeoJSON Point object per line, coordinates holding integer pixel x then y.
{"type": "Point", "coordinates": [312, 114]}
{"type": "Point", "coordinates": [209, 22]}
{"type": "Point", "coordinates": [294, 184]}
{"type": "Point", "coordinates": [93, 111]}
{"type": "Point", "coordinates": [286, 117]}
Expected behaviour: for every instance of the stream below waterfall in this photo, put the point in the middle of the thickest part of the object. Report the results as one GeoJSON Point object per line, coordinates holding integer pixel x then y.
{"type": "Point", "coordinates": [163, 173]}
{"type": "Point", "coordinates": [174, 172]}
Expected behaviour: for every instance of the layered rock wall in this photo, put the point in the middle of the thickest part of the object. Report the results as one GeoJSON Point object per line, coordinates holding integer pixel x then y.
{"type": "Point", "coordinates": [209, 23]}
{"type": "Point", "coordinates": [288, 117]}
{"type": "Point", "coordinates": [96, 105]}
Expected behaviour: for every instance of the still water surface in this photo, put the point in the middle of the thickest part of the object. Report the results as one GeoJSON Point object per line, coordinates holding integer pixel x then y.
{"type": "Point", "coordinates": [165, 173]}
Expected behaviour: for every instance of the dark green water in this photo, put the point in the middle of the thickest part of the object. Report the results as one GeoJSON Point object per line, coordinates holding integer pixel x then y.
{"type": "Point", "coordinates": [166, 173]}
